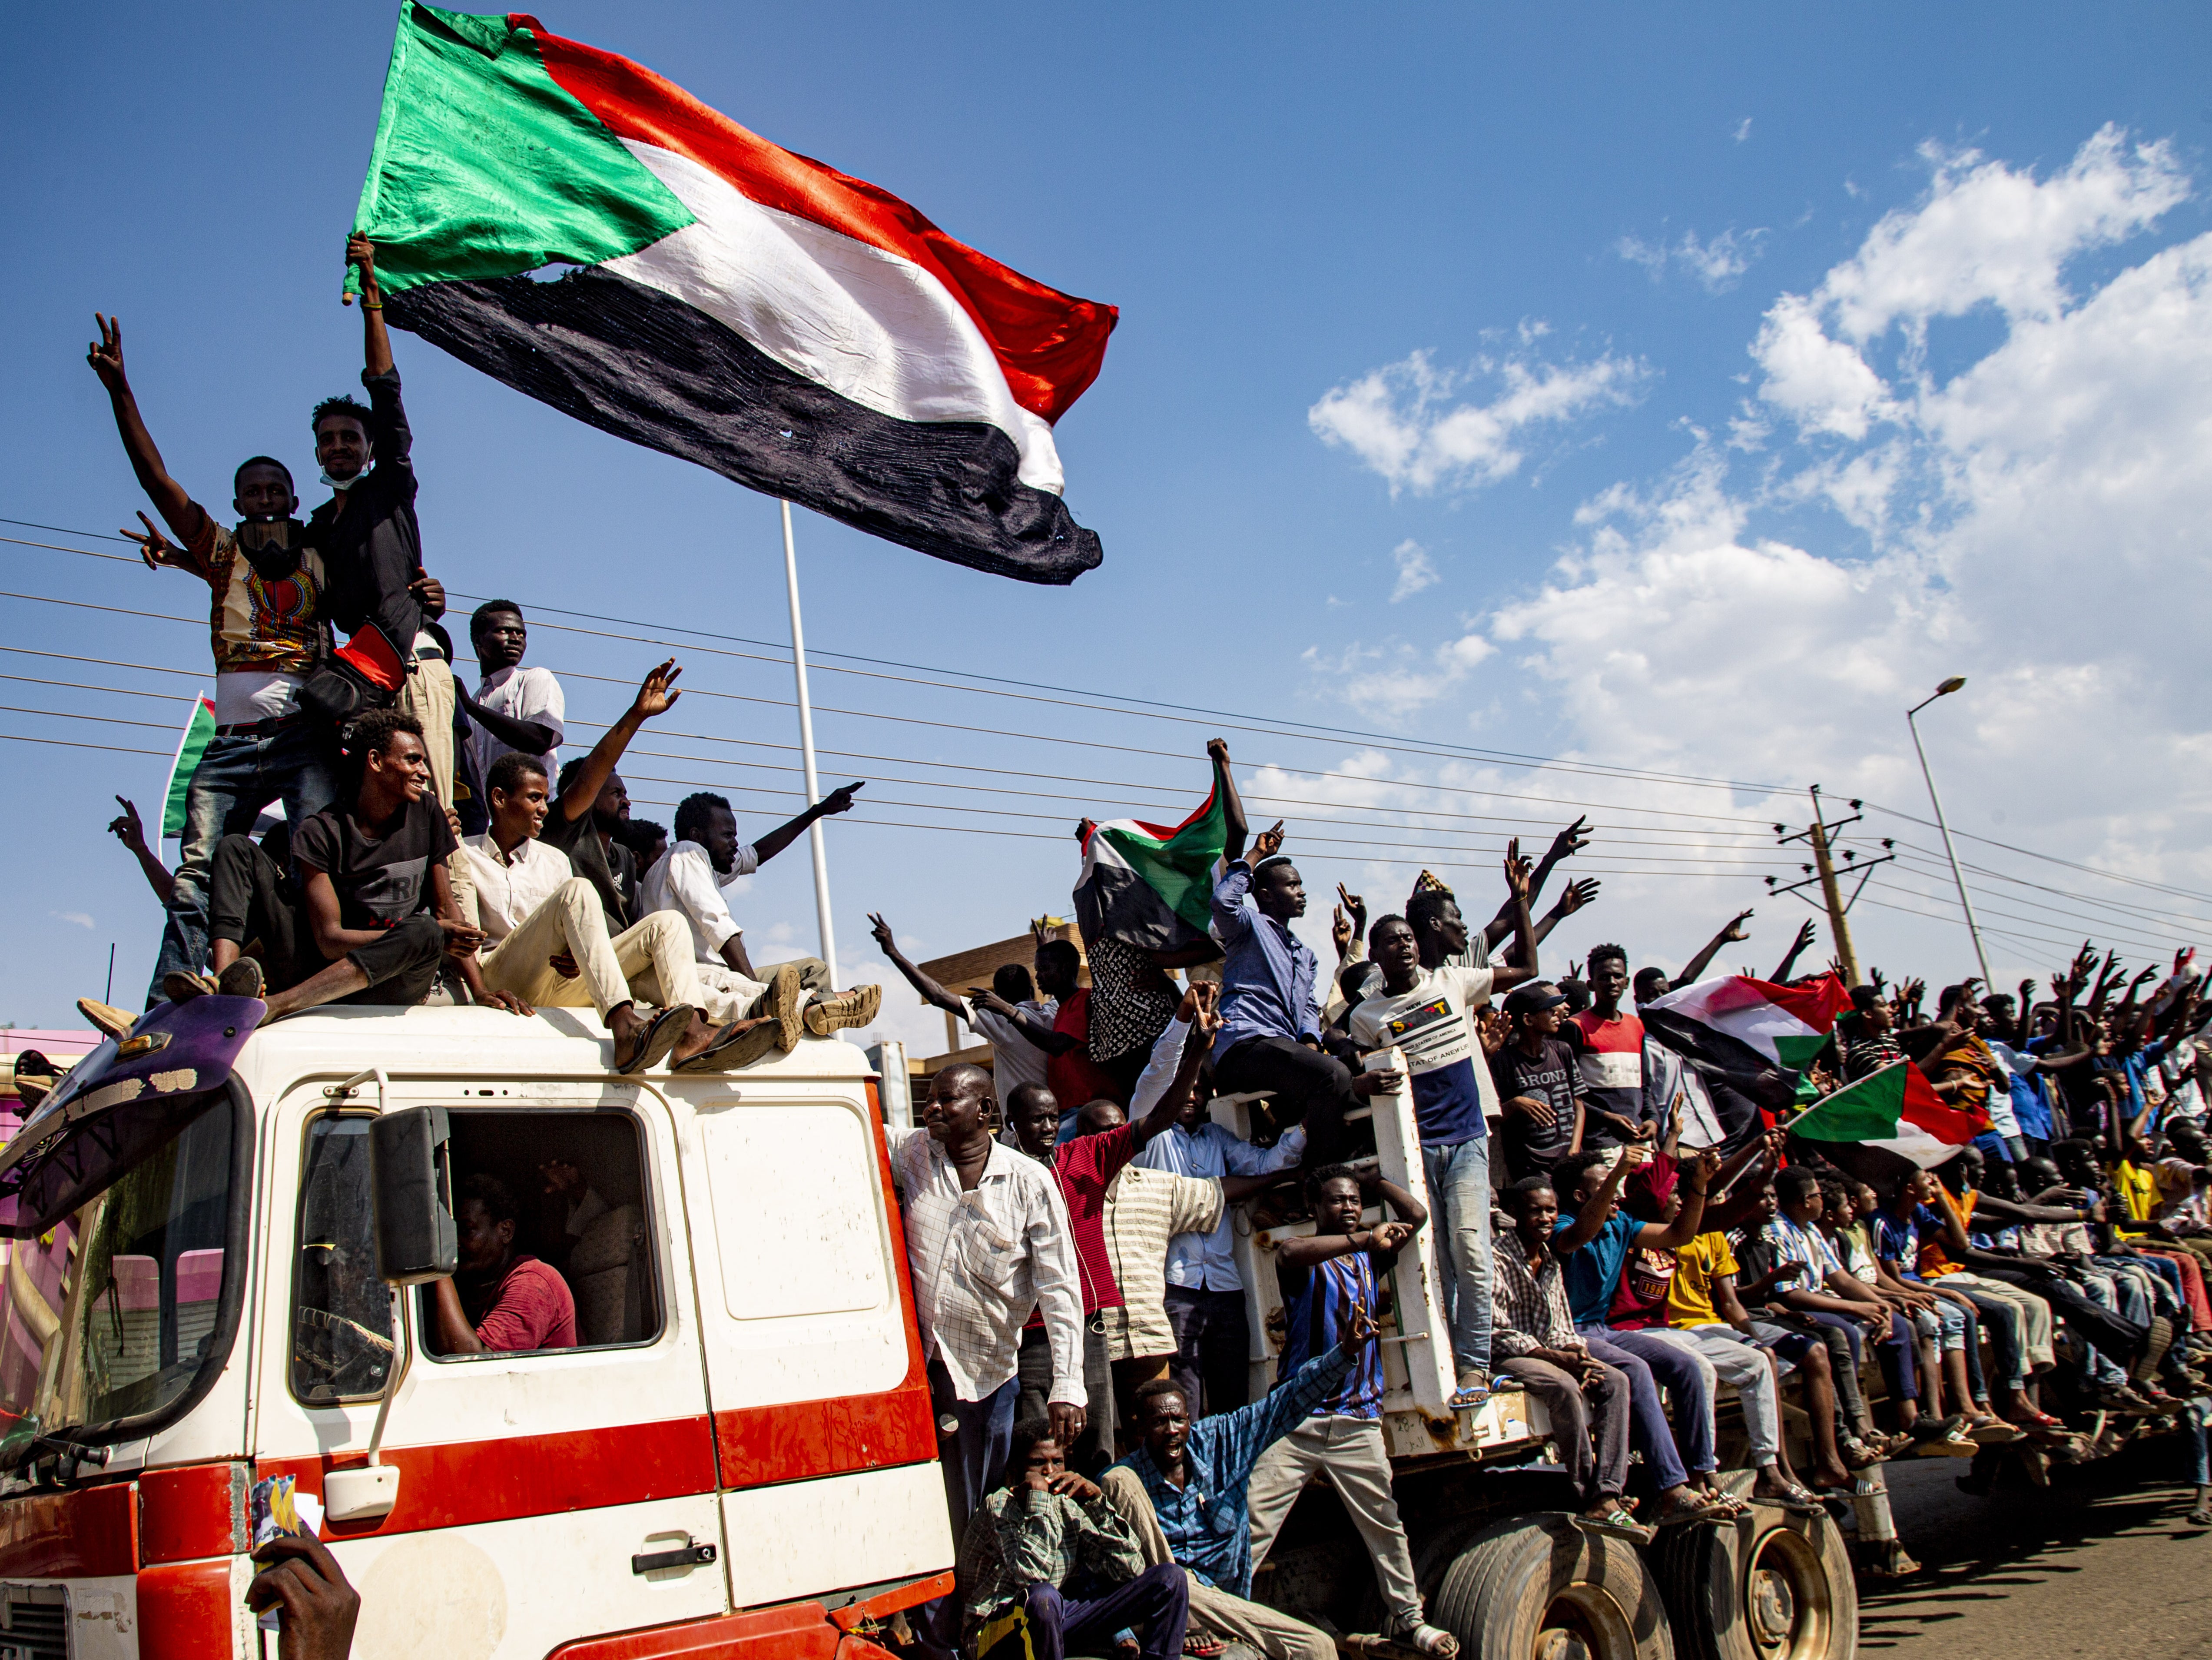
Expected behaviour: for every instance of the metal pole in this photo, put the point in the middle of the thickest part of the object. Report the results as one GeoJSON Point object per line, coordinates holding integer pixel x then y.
{"type": "Point", "coordinates": [1966, 903]}
{"type": "Point", "coordinates": [1829, 892]}
{"type": "Point", "coordinates": [814, 839]}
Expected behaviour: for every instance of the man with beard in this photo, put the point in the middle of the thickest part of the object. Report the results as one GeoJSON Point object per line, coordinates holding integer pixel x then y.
{"type": "Point", "coordinates": [269, 627]}
{"type": "Point", "coordinates": [704, 858]}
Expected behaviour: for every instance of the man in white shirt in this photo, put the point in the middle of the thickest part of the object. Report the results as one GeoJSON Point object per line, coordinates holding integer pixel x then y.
{"type": "Point", "coordinates": [987, 1239]}
{"type": "Point", "coordinates": [705, 858]}
{"type": "Point", "coordinates": [1015, 1060]}
{"type": "Point", "coordinates": [516, 710]}
{"type": "Point", "coordinates": [1426, 1014]}
{"type": "Point", "coordinates": [546, 941]}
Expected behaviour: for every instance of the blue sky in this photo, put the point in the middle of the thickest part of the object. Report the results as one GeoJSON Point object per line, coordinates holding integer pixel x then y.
{"type": "Point", "coordinates": [1590, 227]}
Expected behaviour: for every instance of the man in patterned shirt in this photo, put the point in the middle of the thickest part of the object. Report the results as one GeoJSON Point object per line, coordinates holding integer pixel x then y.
{"type": "Point", "coordinates": [268, 631]}
{"type": "Point", "coordinates": [1039, 1557]}
{"type": "Point", "coordinates": [987, 1240]}
{"type": "Point", "coordinates": [1185, 1494]}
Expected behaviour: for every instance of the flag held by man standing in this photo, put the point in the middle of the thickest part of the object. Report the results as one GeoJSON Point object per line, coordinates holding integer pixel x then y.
{"type": "Point", "coordinates": [1152, 885]}
{"type": "Point", "coordinates": [729, 301]}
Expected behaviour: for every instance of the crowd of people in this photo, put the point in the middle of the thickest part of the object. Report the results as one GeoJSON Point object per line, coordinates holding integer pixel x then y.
{"type": "Point", "coordinates": [1624, 1230]}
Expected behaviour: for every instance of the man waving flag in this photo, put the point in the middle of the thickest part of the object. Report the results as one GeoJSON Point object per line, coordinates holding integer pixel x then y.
{"type": "Point", "coordinates": [730, 302]}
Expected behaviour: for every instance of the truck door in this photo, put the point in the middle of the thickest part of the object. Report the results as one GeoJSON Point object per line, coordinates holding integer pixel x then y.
{"type": "Point", "coordinates": [532, 1481]}
{"type": "Point", "coordinates": [822, 1429]}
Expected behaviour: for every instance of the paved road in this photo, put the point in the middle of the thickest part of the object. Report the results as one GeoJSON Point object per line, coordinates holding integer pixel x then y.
{"type": "Point", "coordinates": [2099, 1566]}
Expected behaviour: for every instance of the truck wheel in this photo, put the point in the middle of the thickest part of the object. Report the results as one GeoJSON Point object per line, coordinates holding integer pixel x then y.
{"type": "Point", "coordinates": [1774, 1587]}
{"type": "Point", "coordinates": [1539, 1588]}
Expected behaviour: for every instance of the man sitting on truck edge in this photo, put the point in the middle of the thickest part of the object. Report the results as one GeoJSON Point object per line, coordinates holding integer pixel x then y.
{"type": "Point", "coordinates": [1327, 1281]}
{"type": "Point", "coordinates": [498, 1300]}
{"type": "Point", "coordinates": [546, 940]}
{"type": "Point", "coordinates": [1184, 1493]}
{"type": "Point", "coordinates": [971, 1326]}
{"type": "Point", "coordinates": [1270, 1037]}
{"type": "Point", "coordinates": [1535, 1342]}
{"type": "Point", "coordinates": [377, 897]}
{"type": "Point", "coordinates": [705, 857]}
{"type": "Point", "coordinates": [1427, 1014]}
{"type": "Point", "coordinates": [1049, 1562]}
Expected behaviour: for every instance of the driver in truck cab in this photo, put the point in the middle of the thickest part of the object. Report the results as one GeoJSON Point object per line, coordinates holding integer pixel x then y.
{"type": "Point", "coordinates": [500, 1300]}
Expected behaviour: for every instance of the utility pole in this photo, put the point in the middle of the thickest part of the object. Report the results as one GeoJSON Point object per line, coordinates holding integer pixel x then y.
{"type": "Point", "coordinates": [1820, 835]}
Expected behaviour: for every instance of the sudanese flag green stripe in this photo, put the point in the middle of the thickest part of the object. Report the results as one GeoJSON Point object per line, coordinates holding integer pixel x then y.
{"type": "Point", "coordinates": [199, 732]}
{"type": "Point", "coordinates": [1153, 886]}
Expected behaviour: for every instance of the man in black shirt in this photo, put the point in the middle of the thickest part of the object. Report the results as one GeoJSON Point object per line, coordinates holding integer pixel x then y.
{"type": "Point", "coordinates": [593, 806]}
{"type": "Point", "coordinates": [1540, 1087]}
{"type": "Point", "coordinates": [377, 899]}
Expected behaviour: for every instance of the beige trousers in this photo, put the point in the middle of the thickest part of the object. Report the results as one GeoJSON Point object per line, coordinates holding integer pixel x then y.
{"type": "Point", "coordinates": [1349, 1451]}
{"type": "Point", "coordinates": [1233, 1618]}
{"type": "Point", "coordinates": [428, 695]}
{"type": "Point", "coordinates": [649, 964]}
{"type": "Point", "coordinates": [730, 996]}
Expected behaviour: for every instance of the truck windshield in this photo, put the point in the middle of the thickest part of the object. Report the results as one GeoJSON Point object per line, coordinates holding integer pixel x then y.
{"type": "Point", "coordinates": [111, 1313]}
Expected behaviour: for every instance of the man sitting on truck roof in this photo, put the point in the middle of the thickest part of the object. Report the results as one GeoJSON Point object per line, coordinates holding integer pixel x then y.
{"type": "Point", "coordinates": [377, 899]}
{"type": "Point", "coordinates": [1049, 1563]}
{"type": "Point", "coordinates": [706, 857]}
{"type": "Point", "coordinates": [498, 1300]}
{"type": "Point", "coordinates": [1327, 1282]}
{"type": "Point", "coordinates": [546, 938]}
{"type": "Point", "coordinates": [1183, 1493]}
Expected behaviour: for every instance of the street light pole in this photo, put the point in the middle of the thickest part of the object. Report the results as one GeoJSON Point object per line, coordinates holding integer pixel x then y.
{"type": "Point", "coordinates": [1966, 903]}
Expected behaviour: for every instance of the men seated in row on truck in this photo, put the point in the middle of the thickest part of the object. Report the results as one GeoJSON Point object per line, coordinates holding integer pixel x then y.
{"type": "Point", "coordinates": [498, 1299]}
{"type": "Point", "coordinates": [1428, 1015]}
{"type": "Point", "coordinates": [546, 940]}
{"type": "Point", "coordinates": [1049, 1564]}
{"type": "Point", "coordinates": [1327, 1280]}
{"type": "Point", "coordinates": [1534, 1337]}
{"type": "Point", "coordinates": [376, 914]}
{"type": "Point", "coordinates": [705, 858]}
{"type": "Point", "coordinates": [1185, 1492]}
{"type": "Point", "coordinates": [986, 1241]}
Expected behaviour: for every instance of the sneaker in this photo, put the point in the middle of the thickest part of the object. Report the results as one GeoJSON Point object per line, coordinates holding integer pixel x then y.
{"type": "Point", "coordinates": [781, 1001]}
{"type": "Point", "coordinates": [840, 1009]}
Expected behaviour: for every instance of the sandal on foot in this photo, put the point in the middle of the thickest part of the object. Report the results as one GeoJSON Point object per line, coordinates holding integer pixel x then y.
{"type": "Point", "coordinates": [106, 1017]}
{"type": "Point", "coordinates": [181, 985]}
{"type": "Point", "coordinates": [661, 1035]}
{"type": "Point", "coordinates": [1797, 1500]}
{"type": "Point", "coordinates": [733, 1048]}
{"type": "Point", "coordinates": [243, 978]}
{"type": "Point", "coordinates": [1473, 1390]}
{"type": "Point", "coordinates": [1697, 1510]}
{"type": "Point", "coordinates": [1198, 1646]}
{"type": "Point", "coordinates": [1619, 1525]}
{"type": "Point", "coordinates": [1431, 1640]}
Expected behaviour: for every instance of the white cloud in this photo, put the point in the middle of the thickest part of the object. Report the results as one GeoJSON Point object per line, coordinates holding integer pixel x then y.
{"type": "Point", "coordinates": [1715, 263]}
{"type": "Point", "coordinates": [75, 917]}
{"type": "Point", "coordinates": [2033, 522]}
{"type": "Point", "coordinates": [1416, 570]}
{"type": "Point", "coordinates": [1742, 131]}
{"type": "Point", "coordinates": [1396, 680]}
{"type": "Point", "coordinates": [1400, 420]}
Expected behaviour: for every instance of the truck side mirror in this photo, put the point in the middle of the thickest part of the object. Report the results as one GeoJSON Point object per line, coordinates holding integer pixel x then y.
{"type": "Point", "coordinates": [409, 1170]}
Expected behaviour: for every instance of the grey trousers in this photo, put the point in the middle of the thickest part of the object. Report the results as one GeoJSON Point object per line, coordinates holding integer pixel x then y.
{"type": "Point", "coordinates": [1349, 1451]}
{"type": "Point", "coordinates": [1576, 1412]}
{"type": "Point", "coordinates": [1233, 1618]}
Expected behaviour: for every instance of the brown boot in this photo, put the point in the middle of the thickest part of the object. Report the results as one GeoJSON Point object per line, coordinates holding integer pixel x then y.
{"type": "Point", "coordinates": [840, 1009]}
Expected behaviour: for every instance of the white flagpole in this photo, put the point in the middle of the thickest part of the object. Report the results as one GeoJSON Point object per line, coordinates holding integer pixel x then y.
{"type": "Point", "coordinates": [814, 838]}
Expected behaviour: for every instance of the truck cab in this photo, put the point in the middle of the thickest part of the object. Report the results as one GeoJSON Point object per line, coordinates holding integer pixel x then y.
{"type": "Point", "coordinates": [737, 1453]}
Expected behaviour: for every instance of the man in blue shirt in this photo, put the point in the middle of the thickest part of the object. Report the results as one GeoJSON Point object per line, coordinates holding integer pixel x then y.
{"type": "Point", "coordinates": [1270, 1037]}
{"type": "Point", "coordinates": [1183, 1493]}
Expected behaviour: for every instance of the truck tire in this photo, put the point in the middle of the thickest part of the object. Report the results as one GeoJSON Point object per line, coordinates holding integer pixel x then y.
{"type": "Point", "coordinates": [1539, 1588]}
{"type": "Point", "coordinates": [1773, 1587]}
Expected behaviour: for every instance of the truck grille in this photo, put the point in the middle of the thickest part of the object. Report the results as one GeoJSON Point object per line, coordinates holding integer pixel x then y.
{"type": "Point", "coordinates": [34, 1622]}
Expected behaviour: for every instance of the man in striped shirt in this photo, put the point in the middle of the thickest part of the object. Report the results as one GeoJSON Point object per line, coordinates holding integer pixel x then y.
{"type": "Point", "coordinates": [1328, 1284]}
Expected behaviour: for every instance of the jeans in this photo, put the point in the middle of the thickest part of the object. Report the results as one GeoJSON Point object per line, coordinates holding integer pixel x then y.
{"type": "Point", "coordinates": [1738, 1362]}
{"type": "Point", "coordinates": [237, 776]}
{"type": "Point", "coordinates": [1212, 1366]}
{"type": "Point", "coordinates": [1459, 1234]}
{"type": "Point", "coordinates": [251, 903]}
{"type": "Point", "coordinates": [1649, 1432]}
{"type": "Point", "coordinates": [1158, 1600]}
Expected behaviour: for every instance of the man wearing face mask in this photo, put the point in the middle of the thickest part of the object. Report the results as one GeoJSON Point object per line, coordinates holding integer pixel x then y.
{"type": "Point", "coordinates": [369, 537]}
{"type": "Point", "coordinates": [270, 629]}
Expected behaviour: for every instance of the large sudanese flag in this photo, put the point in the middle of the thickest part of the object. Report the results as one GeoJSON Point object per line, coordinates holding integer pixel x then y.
{"type": "Point", "coordinates": [725, 301]}
{"type": "Point", "coordinates": [1745, 1024]}
{"type": "Point", "coordinates": [1152, 884]}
